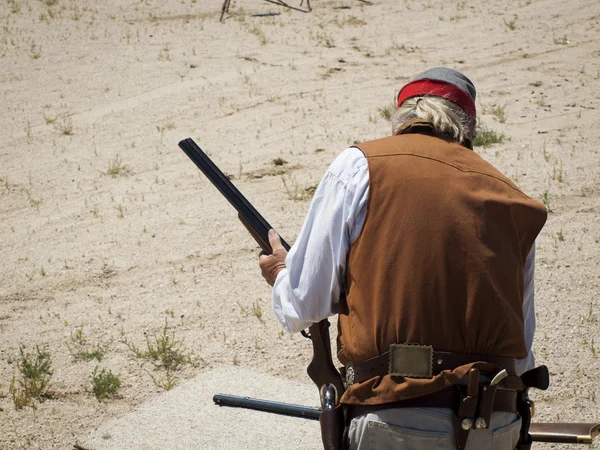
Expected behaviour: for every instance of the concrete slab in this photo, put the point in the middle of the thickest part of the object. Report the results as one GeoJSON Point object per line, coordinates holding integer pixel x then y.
{"type": "Point", "coordinates": [187, 418]}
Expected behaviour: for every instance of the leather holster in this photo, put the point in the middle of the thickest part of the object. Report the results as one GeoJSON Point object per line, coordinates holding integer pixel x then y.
{"type": "Point", "coordinates": [332, 428]}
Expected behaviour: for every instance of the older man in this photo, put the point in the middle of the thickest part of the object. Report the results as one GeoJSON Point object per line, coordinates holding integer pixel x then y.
{"type": "Point", "coordinates": [426, 252]}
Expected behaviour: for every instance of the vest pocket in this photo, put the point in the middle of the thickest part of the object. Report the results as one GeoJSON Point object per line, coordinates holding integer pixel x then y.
{"type": "Point", "coordinates": [382, 436]}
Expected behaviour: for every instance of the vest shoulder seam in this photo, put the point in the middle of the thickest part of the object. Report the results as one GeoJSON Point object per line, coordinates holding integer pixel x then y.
{"type": "Point", "coordinates": [515, 188]}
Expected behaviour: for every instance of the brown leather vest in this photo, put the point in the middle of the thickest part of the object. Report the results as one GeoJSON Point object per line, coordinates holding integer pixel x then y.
{"type": "Point", "coordinates": [439, 261]}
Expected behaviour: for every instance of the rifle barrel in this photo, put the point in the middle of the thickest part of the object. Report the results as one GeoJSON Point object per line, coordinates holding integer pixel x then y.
{"type": "Point", "coordinates": [287, 409]}
{"type": "Point", "coordinates": [230, 192]}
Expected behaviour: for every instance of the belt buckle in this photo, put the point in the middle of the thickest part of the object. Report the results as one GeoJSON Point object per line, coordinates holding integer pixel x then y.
{"type": "Point", "coordinates": [349, 379]}
{"type": "Point", "coordinates": [411, 360]}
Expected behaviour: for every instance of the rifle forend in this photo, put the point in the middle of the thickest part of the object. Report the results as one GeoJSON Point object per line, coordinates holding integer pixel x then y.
{"type": "Point", "coordinates": [248, 215]}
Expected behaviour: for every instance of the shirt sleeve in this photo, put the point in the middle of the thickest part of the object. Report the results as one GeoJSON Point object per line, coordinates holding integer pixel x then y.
{"type": "Point", "coordinates": [523, 365]}
{"type": "Point", "coordinates": [308, 290]}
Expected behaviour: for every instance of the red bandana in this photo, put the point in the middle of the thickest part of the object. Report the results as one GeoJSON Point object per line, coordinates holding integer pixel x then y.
{"type": "Point", "coordinates": [438, 89]}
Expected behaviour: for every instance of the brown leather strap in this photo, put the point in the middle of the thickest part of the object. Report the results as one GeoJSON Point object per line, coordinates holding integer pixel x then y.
{"type": "Point", "coordinates": [379, 365]}
{"type": "Point", "coordinates": [449, 397]}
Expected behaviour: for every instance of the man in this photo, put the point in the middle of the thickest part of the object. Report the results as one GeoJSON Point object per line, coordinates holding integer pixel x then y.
{"type": "Point", "coordinates": [426, 252]}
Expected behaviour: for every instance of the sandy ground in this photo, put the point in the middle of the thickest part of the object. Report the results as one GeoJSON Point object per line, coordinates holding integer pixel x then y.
{"type": "Point", "coordinates": [190, 420]}
{"type": "Point", "coordinates": [93, 261]}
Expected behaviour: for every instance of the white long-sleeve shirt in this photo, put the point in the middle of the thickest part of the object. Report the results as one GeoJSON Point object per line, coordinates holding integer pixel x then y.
{"type": "Point", "coordinates": [308, 290]}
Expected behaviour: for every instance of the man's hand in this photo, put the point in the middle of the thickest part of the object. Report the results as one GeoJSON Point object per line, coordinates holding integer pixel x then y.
{"type": "Point", "coordinates": [271, 265]}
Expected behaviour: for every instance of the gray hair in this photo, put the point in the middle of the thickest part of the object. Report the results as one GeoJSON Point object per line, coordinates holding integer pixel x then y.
{"type": "Point", "coordinates": [448, 119]}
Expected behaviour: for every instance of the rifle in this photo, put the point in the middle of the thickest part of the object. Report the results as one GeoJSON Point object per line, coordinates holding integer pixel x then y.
{"type": "Point", "coordinates": [565, 433]}
{"type": "Point", "coordinates": [321, 369]}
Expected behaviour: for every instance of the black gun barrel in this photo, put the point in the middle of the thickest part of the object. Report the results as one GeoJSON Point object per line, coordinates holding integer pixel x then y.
{"type": "Point", "coordinates": [287, 409]}
{"type": "Point", "coordinates": [229, 191]}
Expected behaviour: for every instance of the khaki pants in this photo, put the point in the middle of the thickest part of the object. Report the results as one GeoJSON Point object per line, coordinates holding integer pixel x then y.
{"type": "Point", "coordinates": [428, 428]}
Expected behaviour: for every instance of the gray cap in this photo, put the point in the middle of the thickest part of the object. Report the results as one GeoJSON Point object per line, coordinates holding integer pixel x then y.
{"type": "Point", "coordinates": [445, 83]}
{"type": "Point", "coordinates": [450, 76]}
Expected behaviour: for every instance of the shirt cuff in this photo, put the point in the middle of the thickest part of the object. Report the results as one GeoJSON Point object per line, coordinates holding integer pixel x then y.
{"type": "Point", "coordinates": [283, 306]}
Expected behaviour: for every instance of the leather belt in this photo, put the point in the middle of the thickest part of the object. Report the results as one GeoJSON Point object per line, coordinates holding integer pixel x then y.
{"type": "Point", "coordinates": [380, 365]}
{"type": "Point", "coordinates": [449, 397]}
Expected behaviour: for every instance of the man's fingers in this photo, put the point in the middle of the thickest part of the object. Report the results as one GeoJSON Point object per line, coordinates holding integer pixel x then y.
{"type": "Point", "coordinates": [274, 240]}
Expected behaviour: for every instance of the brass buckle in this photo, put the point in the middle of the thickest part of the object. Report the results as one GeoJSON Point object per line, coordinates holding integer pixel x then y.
{"type": "Point", "coordinates": [411, 360]}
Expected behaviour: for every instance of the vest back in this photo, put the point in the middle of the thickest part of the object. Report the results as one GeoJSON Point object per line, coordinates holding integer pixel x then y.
{"type": "Point", "coordinates": [439, 261]}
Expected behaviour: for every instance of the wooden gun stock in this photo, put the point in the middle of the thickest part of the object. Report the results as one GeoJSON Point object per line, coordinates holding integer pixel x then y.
{"type": "Point", "coordinates": [321, 369]}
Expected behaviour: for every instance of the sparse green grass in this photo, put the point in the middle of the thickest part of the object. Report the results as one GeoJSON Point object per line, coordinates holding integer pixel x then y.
{"type": "Point", "coordinates": [486, 137]}
{"type": "Point", "coordinates": [512, 24]}
{"type": "Point", "coordinates": [35, 374]}
{"type": "Point", "coordinates": [322, 39]}
{"type": "Point", "coordinates": [257, 311]}
{"type": "Point", "coordinates": [35, 202]}
{"type": "Point", "coordinates": [256, 31]}
{"type": "Point", "coordinates": [562, 40]}
{"type": "Point", "coordinates": [81, 350]}
{"type": "Point", "coordinates": [49, 120]}
{"type": "Point", "coordinates": [295, 191]}
{"type": "Point", "coordinates": [64, 124]}
{"type": "Point", "coordinates": [166, 353]}
{"type": "Point", "coordinates": [15, 6]}
{"type": "Point", "coordinates": [387, 111]}
{"type": "Point", "coordinates": [36, 51]}
{"type": "Point", "coordinates": [116, 168]}
{"type": "Point", "coordinates": [105, 384]}
{"type": "Point", "coordinates": [499, 112]}
{"type": "Point", "coordinates": [350, 20]}
{"type": "Point", "coordinates": [557, 173]}
{"type": "Point", "coordinates": [165, 52]}
{"type": "Point", "coordinates": [546, 200]}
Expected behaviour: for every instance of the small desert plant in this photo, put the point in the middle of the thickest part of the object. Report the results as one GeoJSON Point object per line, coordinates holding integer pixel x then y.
{"type": "Point", "coordinates": [36, 373]}
{"type": "Point", "coordinates": [165, 353]}
{"type": "Point", "coordinates": [260, 35]}
{"type": "Point", "coordinates": [295, 191]}
{"type": "Point", "coordinates": [512, 25]}
{"type": "Point", "coordinates": [105, 384]}
{"type": "Point", "coordinates": [117, 168]}
{"type": "Point", "coordinates": [279, 162]}
{"type": "Point", "coordinates": [36, 51]}
{"type": "Point", "coordinates": [80, 349]}
{"type": "Point", "coordinates": [386, 112]}
{"type": "Point", "coordinates": [257, 311]}
{"type": "Point", "coordinates": [499, 112]}
{"type": "Point", "coordinates": [486, 137]}
{"type": "Point", "coordinates": [546, 200]}
{"type": "Point", "coordinates": [165, 52]}
{"type": "Point", "coordinates": [562, 40]}
{"type": "Point", "coordinates": [64, 124]}
{"type": "Point", "coordinates": [322, 39]}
